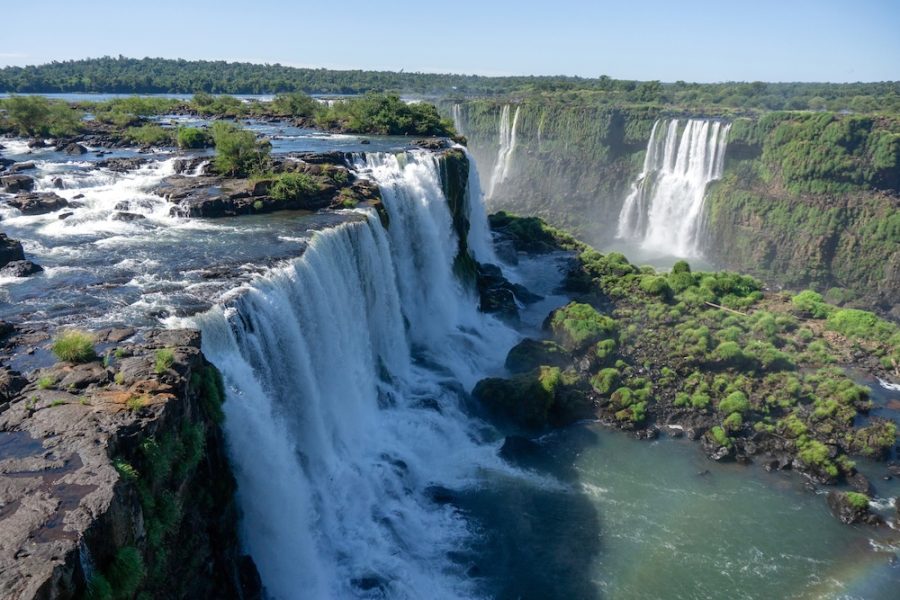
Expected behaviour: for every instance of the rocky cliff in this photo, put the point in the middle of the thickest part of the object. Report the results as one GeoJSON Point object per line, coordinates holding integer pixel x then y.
{"type": "Point", "coordinates": [113, 476]}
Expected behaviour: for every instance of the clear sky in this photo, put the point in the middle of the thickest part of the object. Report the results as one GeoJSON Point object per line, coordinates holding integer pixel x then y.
{"type": "Point", "coordinates": [691, 40]}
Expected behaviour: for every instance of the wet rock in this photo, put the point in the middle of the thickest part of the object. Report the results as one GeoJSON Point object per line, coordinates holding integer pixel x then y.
{"type": "Point", "coordinates": [433, 143]}
{"type": "Point", "coordinates": [506, 251]}
{"type": "Point", "coordinates": [530, 354]}
{"type": "Point", "coordinates": [20, 268]}
{"type": "Point", "coordinates": [38, 203]}
{"type": "Point", "coordinates": [497, 294]}
{"type": "Point", "coordinates": [22, 166]}
{"type": "Point", "coordinates": [65, 215]}
{"type": "Point", "coordinates": [122, 165]}
{"type": "Point", "coordinates": [13, 184]}
{"type": "Point", "coordinates": [190, 165]}
{"type": "Point", "coordinates": [37, 143]}
{"type": "Point", "coordinates": [127, 216]}
{"type": "Point", "coordinates": [113, 335]}
{"type": "Point", "coordinates": [75, 149]}
{"type": "Point", "coordinates": [10, 250]}
{"type": "Point", "coordinates": [58, 183]}
{"type": "Point", "coordinates": [851, 507]}
{"type": "Point", "coordinates": [860, 483]}
{"type": "Point", "coordinates": [11, 383]}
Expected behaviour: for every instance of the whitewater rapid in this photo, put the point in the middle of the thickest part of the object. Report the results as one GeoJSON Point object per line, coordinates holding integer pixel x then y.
{"type": "Point", "coordinates": [346, 372]}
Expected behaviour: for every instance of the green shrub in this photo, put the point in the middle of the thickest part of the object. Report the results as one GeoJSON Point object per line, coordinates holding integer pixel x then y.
{"type": "Point", "coordinates": [193, 138]}
{"type": "Point", "coordinates": [45, 382]}
{"type": "Point", "coordinates": [730, 353]}
{"type": "Point", "coordinates": [735, 402]}
{"type": "Point", "coordinates": [384, 114]}
{"type": "Point", "coordinates": [700, 400]}
{"type": "Point", "coordinates": [810, 303]}
{"type": "Point", "coordinates": [126, 572]}
{"type": "Point", "coordinates": [75, 346]}
{"type": "Point", "coordinates": [814, 454]}
{"type": "Point", "coordinates": [237, 150]}
{"type": "Point", "coordinates": [292, 186]}
{"type": "Point", "coordinates": [656, 285]}
{"type": "Point", "coordinates": [860, 324]}
{"type": "Point", "coordinates": [151, 135]}
{"type": "Point", "coordinates": [605, 380]}
{"type": "Point", "coordinates": [296, 104]}
{"type": "Point", "coordinates": [578, 325]}
{"type": "Point", "coordinates": [165, 358]}
{"type": "Point", "coordinates": [720, 437]}
{"type": "Point", "coordinates": [98, 588]}
{"type": "Point", "coordinates": [857, 500]}
{"type": "Point", "coordinates": [733, 422]}
{"type": "Point", "coordinates": [36, 116]}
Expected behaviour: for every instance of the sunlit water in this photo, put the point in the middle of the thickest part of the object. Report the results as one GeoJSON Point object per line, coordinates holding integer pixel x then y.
{"type": "Point", "coordinates": [347, 372]}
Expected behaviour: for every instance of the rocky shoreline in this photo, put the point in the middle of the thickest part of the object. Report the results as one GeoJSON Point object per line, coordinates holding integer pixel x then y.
{"type": "Point", "coordinates": [609, 356]}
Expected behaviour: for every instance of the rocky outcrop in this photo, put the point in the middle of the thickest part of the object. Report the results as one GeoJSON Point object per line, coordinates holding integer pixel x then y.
{"type": "Point", "coordinates": [13, 184]}
{"type": "Point", "coordinates": [20, 268]}
{"type": "Point", "coordinates": [10, 250]}
{"type": "Point", "coordinates": [38, 203]}
{"type": "Point", "coordinates": [113, 478]}
{"type": "Point", "coordinates": [851, 507]}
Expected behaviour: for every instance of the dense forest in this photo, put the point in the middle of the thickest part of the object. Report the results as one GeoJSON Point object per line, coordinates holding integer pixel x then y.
{"type": "Point", "coordinates": [156, 75]}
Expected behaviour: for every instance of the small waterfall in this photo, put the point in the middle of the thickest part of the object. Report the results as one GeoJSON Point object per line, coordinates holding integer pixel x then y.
{"type": "Point", "coordinates": [665, 207]}
{"type": "Point", "coordinates": [456, 114]}
{"type": "Point", "coordinates": [343, 371]}
{"type": "Point", "coordinates": [507, 148]}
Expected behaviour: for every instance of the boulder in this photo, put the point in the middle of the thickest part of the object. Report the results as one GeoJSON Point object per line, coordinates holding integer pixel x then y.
{"type": "Point", "coordinates": [75, 149]}
{"type": "Point", "coordinates": [851, 507]}
{"type": "Point", "coordinates": [10, 250]}
{"type": "Point", "coordinates": [11, 383]}
{"type": "Point", "coordinates": [22, 166]}
{"type": "Point", "coordinates": [13, 184]}
{"type": "Point", "coordinates": [530, 354]}
{"type": "Point", "coordinates": [58, 183]}
{"type": "Point", "coordinates": [38, 203]}
{"type": "Point", "coordinates": [20, 268]}
{"type": "Point", "coordinates": [37, 143]}
{"type": "Point", "coordinates": [122, 165]}
{"type": "Point", "coordinates": [127, 216]}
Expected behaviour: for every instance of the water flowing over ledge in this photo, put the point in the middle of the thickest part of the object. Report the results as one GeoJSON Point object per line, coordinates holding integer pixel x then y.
{"type": "Point", "coordinates": [664, 210]}
{"type": "Point", "coordinates": [507, 141]}
{"type": "Point", "coordinates": [346, 372]}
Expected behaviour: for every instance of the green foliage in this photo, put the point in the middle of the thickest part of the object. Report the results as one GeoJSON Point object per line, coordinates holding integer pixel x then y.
{"type": "Point", "coordinates": [45, 382]}
{"type": "Point", "coordinates": [733, 422]}
{"type": "Point", "coordinates": [212, 392]}
{"type": "Point", "coordinates": [237, 150]}
{"type": "Point", "coordinates": [855, 323]}
{"type": "Point", "coordinates": [719, 435]}
{"type": "Point", "coordinates": [857, 500]}
{"type": "Point", "coordinates": [605, 380]}
{"type": "Point", "coordinates": [815, 454]}
{"type": "Point", "coordinates": [656, 286]}
{"type": "Point", "coordinates": [36, 116]}
{"type": "Point", "coordinates": [578, 325]}
{"type": "Point", "coordinates": [189, 138]}
{"type": "Point", "coordinates": [292, 186]}
{"type": "Point", "coordinates": [295, 104]}
{"type": "Point", "coordinates": [151, 135]}
{"type": "Point", "coordinates": [98, 588]}
{"type": "Point", "coordinates": [74, 345]}
{"type": "Point", "coordinates": [811, 304]}
{"type": "Point", "coordinates": [126, 572]}
{"type": "Point", "coordinates": [736, 402]}
{"type": "Point", "coordinates": [165, 358]}
{"type": "Point", "coordinates": [384, 114]}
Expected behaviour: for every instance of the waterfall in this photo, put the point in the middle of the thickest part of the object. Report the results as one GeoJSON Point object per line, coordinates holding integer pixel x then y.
{"type": "Point", "coordinates": [505, 152]}
{"type": "Point", "coordinates": [344, 372]}
{"type": "Point", "coordinates": [664, 209]}
{"type": "Point", "coordinates": [456, 114]}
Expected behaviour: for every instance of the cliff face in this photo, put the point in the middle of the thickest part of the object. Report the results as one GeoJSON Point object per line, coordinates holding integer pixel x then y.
{"type": "Point", "coordinates": [572, 163]}
{"type": "Point", "coordinates": [812, 201]}
{"type": "Point", "coordinates": [114, 481]}
{"type": "Point", "coordinates": [807, 199]}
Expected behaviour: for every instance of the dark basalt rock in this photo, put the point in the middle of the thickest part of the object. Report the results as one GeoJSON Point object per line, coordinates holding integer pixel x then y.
{"type": "Point", "coordinates": [75, 149]}
{"type": "Point", "coordinates": [20, 268]}
{"type": "Point", "coordinates": [10, 250]}
{"type": "Point", "coordinates": [433, 143]}
{"type": "Point", "coordinates": [13, 184]}
{"type": "Point", "coordinates": [530, 354]}
{"type": "Point", "coordinates": [498, 295]}
{"type": "Point", "coordinates": [127, 216]}
{"type": "Point", "coordinates": [122, 165]}
{"type": "Point", "coordinates": [189, 165]}
{"type": "Point", "coordinates": [38, 203]}
{"type": "Point", "coordinates": [844, 508]}
{"type": "Point", "coordinates": [22, 166]}
{"type": "Point", "coordinates": [63, 497]}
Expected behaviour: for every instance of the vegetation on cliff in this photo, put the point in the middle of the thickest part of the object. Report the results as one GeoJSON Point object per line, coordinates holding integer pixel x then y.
{"type": "Point", "coordinates": [750, 372]}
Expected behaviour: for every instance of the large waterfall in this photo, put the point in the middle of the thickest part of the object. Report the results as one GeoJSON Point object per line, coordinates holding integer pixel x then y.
{"type": "Point", "coordinates": [506, 148]}
{"type": "Point", "coordinates": [665, 207]}
{"type": "Point", "coordinates": [344, 406]}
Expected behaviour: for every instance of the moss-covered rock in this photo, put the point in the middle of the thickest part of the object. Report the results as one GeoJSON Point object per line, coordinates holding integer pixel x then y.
{"type": "Point", "coordinates": [530, 354]}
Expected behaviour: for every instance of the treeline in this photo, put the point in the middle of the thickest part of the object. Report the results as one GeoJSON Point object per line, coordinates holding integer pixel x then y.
{"type": "Point", "coordinates": [372, 113]}
{"type": "Point", "coordinates": [156, 75]}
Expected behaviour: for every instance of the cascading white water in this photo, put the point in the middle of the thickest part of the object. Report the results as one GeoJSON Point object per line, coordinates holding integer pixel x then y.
{"type": "Point", "coordinates": [456, 114]}
{"type": "Point", "coordinates": [507, 148]}
{"type": "Point", "coordinates": [665, 207]}
{"type": "Point", "coordinates": [343, 370]}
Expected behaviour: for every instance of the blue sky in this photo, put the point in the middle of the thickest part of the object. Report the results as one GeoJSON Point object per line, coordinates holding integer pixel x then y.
{"type": "Point", "coordinates": [691, 40]}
